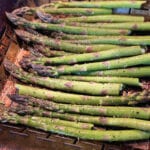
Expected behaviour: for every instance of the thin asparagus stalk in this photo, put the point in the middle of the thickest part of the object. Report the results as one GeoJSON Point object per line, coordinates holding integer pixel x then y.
{"type": "Point", "coordinates": [61, 45]}
{"type": "Point", "coordinates": [77, 11]}
{"type": "Point", "coordinates": [110, 111]}
{"type": "Point", "coordinates": [77, 125]}
{"type": "Point", "coordinates": [77, 38]}
{"type": "Point", "coordinates": [103, 18]}
{"type": "Point", "coordinates": [64, 11]}
{"type": "Point", "coordinates": [89, 57]}
{"type": "Point", "coordinates": [80, 38]}
{"type": "Point", "coordinates": [46, 120]}
{"type": "Point", "coordinates": [118, 40]}
{"type": "Point", "coordinates": [65, 85]}
{"type": "Point", "coordinates": [96, 66]}
{"type": "Point", "coordinates": [101, 4]}
{"type": "Point", "coordinates": [120, 135]}
{"type": "Point", "coordinates": [136, 72]}
{"type": "Point", "coordinates": [69, 98]}
{"type": "Point", "coordinates": [123, 80]}
{"type": "Point", "coordinates": [72, 37]}
{"type": "Point", "coordinates": [136, 26]}
{"type": "Point", "coordinates": [46, 51]}
{"type": "Point", "coordinates": [66, 29]}
{"type": "Point", "coordinates": [105, 121]}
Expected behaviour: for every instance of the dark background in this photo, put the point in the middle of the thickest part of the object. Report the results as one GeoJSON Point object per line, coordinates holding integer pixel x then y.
{"type": "Point", "coordinates": [9, 5]}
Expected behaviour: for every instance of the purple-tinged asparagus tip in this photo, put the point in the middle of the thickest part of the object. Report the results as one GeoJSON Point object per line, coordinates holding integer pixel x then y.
{"type": "Point", "coordinates": [18, 99]}
{"type": "Point", "coordinates": [14, 18]}
{"type": "Point", "coordinates": [21, 11]}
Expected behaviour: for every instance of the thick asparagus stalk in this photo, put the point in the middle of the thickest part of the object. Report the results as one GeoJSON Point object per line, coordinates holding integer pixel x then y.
{"type": "Point", "coordinates": [128, 72]}
{"type": "Point", "coordinates": [137, 26]}
{"type": "Point", "coordinates": [120, 135]}
{"type": "Point", "coordinates": [123, 80]}
{"type": "Point", "coordinates": [118, 40]}
{"type": "Point", "coordinates": [89, 57]}
{"type": "Point", "coordinates": [104, 18]}
{"type": "Point", "coordinates": [65, 85]}
{"type": "Point", "coordinates": [102, 4]}
{"type": "Point", "coordinates": [110, 111]}
{"type": "Point", "coordinates": [97, 66]}
{"type": "Point", "coordinates": [59, 44]}
{"type": "Point", "coordinates": [66, 29]}
{"type": "Point", "coordinates": [105, 121]}
{"type": "Point", "coordinates": [69, 98]}
{"type": "Point", "coordinates": [46, 51]}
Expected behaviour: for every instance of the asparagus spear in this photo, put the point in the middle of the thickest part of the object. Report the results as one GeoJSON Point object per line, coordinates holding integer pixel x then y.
{"type": "Point", "coordinates": [79, 38]}
{"type": "Point", "coordinates": [120, 135]}
{"type": "Point", "coordinates": [102, 4]}
{"type": "Point", "coordinates": [61, 45]}
{"type": "Point", "coordinates": [72, 37]}
{"type": "Point", "coordinates": [123, 80]}
{"type": "Point", "coordinates": [55, 121]}
{"type": "Point", "coordinates": [128, 72]}
{"type": "Point", "coordinates": [66, 29]}
{"type": "Point", "coordinates": [46, 51]}
{"type": "Point", "coordinates": [105, 121]}
{"type": "Point", "coordinates": [118, 40]}
{"type": "Point", "coordinates": [110, 111]}
{"type": "Point", "coordinates": [77, 125]}
{"type": "Point", "coordinates": [65, 85]}
{"type": "Point", "coordinates": [103, 18]}
{"type": "Point", "coordinates": [89, 57]}
{"type": "Point", "coordinates": [96, 66]}
{"type": "Point", "coordinates": [136, 26]}
{"type": "Point", "coordinates": [69, 98]}
{"type": "Point", "coordinates": [64, 11]}
{"type": "Point", "coordinates": [77, 11]}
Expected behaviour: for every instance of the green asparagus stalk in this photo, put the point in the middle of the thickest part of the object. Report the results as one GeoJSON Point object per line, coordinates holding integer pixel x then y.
{"type": "Point", "coordinates": [98, 66]}
{"type": "Point", "coordinates": [89, 57]}
{"type": "Point", "coordinates": [123, 80]}
{"type": "Point", "coordinates": [118, 40]}
{"type": "Point", "coordinates": [120, 135]}
{"type": "Point", "coordinates": [103, 18]}
{"type": "Point", "coordinates": [64, 11]}
{"type": "Point", "coordinates": [105, 121]}
{"type": "Point", "coordinates": [60, 44]}
{"type": "Point", "coordinates": [101, 4]}
{"type": "Point", "coordinates": [77, 125]}
{"type": "Point", "coordinates": [77, 38]}
{"type": "Point", "coordinates": [63, 28]}
{"type": "Point", "coordinates": [136, 72]}
{"type": "Point", "coordinates": [110, 111]}
{"type": "Point", "coordinates": [72, 37]}
{"type": "Point", "coordinates": [65, 85]}
{"type": "Point", "coordinates": [46, 120]}
{"type": "Point", "coordinates": [69, 98]}
{"type": "Point", "coordinates": [46, 51]}
{"type": "Point", "coordinates": [136, 26]}
{"type": "Point", "coordinates": [77, 11]}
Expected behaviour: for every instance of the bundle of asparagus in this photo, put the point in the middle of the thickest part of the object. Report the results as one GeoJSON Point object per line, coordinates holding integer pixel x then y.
{"type": "Point", "coordinates": [89, 55]}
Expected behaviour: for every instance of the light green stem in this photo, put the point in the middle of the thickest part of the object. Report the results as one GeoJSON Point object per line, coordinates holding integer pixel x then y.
{"type": "Point", "coordinates": [123, 80]}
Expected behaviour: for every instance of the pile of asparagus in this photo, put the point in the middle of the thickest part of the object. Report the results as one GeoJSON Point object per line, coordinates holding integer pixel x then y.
{"type": "Point", "coordinates": [84, 71]}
